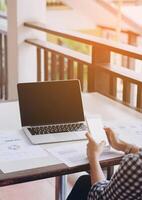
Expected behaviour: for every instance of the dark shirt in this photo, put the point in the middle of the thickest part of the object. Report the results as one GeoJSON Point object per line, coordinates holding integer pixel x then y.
{"type": "Point", "coordinates": [125, 184]}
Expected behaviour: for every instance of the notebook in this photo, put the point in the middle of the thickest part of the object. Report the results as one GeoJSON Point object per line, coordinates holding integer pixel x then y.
{"type": "Point", "coordinates": [52, 111]}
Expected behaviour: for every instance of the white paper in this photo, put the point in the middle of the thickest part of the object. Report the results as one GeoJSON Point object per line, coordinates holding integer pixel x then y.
{"type": "Point", "coordinates": [14, 147]}
{"type": "Point", "coordinates": [16, 153]}
{"type": "Point", "coordinates": [129, 131]}
{"type": "Point", "coordinates": [95, 126]}
{"type": "Point", "coordinates": [75, 154]}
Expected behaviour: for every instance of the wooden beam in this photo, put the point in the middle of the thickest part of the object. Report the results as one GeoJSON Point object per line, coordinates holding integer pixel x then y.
{"type": "Point", "coordinates": [126, 91]}
{"type": "Point", "coordinates": [112, 86]}
{"type": "Point", "coordinates": [80, 74]}
{"type": "Point", "coordinates": [6, 67]}
{"type": "Point", "coordinates": [70, 69]}
{"type": "Point", "coordinates": [123, 49]}
{"type": "Point", "coordinates": [122, 73]}
{"type": "Point", "coordinates": [38, 64]}
{"type": "Point", "coordinates": [53, 66]}
{"type": "Point", "coordinates": [46, 65]}
{"type": "Point", "coordinates": [139, 97]}
{"type": "Point", "coordinates": [68, 53]}
{"type": "Point", "coordinates": [100, 54]}
{"type": "Point", "coordinates": [61, 67]}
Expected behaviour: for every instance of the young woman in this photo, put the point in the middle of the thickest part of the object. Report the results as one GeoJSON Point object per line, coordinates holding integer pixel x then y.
{"type": "Point", "coordinates": [125, 184]}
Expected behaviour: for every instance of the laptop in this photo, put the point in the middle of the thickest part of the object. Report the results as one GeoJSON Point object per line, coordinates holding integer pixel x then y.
{"type": "Point", "coordinates": [52, 111]}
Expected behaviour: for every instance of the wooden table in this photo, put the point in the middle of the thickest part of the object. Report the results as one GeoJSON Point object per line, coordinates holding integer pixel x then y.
{"type": "Point", "coordinates": [94, 104]}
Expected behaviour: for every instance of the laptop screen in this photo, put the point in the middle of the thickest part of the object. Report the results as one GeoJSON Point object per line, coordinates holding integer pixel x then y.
{"type": "Point", "coordinates": [50, 102]}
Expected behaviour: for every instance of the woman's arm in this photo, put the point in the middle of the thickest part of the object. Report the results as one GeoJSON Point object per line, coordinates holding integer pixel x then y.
{"type": "Point", "coordinates": [96, 172]}
{"type": "Point", "coordinates": [94, 151]}
{"type": "Point", "coordinates": [118, 144]}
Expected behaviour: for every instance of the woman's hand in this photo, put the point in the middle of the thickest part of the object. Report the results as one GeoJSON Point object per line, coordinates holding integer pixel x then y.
{"type": "Point", "coordinates": [118, 144]}
{"type": "Point", "coordinates": [113, 139]}
{"type": "Point", "coordinates": [94, 150]}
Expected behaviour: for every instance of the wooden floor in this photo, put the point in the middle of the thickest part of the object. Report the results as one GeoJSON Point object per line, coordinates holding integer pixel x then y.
{"type": "Point", "coordinates": [37, 190]}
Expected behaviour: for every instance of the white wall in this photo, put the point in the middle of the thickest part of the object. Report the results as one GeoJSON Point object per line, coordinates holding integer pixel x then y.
{"type": "Point", "coordinates": [69, 19]}
{"type": "Point", "coordinates": [96, 11]}
{"type": "Point", "coordinates": [21, 56]}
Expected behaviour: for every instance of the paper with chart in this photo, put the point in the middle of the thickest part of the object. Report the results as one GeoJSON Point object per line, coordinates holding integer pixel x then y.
{"type": "Point", "coordinates": [129, 131]}
{"type": "Point", "coordinates": [75, 154]}
{"type": "Point", "coordinates": [14, 147]}
{"type": "Point", "coordinates": [15, 150]}
{"type": "Point", "coordinates": [71, 155]}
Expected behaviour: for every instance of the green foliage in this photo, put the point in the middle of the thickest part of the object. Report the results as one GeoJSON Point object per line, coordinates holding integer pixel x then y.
{"type": "Point", "coordinates": [77, 46]}
{"type": "Point", "coordinates": [3, 6]}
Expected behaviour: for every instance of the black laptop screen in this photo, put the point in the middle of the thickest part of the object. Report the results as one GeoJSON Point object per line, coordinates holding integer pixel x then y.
{"type": "Point", "coordinates": [50, 102]}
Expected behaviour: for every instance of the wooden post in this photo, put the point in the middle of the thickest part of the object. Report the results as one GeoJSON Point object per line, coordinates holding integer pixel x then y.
{"type": "Point", "coordinates": [112, 86]}
{"type": "Point", "coordinates": [126, 92]}
{"type": "Point", "coordinates": [53, 66]}
{"type": "Point", "coordinates": [139, 97]}
{"type": "Point", "coordinates": [98, 80]}
{"type": "Point", "coordinates": [5, 68]}
{"type": "Point", "coordinates": [70, 69]}
{"type": "Point", "coordinates": [80, 74]}
{"type": "Point", "coordinates": [38, 64]}
{"type": "Point", "coordinates": [132, 40]}
{"type": "Point", "coordinates": [61, 67]}
{"type": "Point", "coordinates": [46, 65]}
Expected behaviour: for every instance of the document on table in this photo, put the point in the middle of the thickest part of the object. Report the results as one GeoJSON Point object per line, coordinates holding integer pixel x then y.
{"type": "Point", "coordinates": [16, 153]}
{"type": "Point", "coordinates": [129, 131]}
{"type": "Point", "coordinates": [75, 154]}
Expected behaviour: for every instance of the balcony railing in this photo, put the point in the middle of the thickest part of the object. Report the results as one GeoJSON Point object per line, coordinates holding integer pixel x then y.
{"type": "Point", "coordinates": [3, 58]}
{"type": "Point", "coordinates": [96, 71]}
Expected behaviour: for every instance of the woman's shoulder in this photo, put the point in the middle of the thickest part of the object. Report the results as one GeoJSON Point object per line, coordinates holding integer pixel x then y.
{"type": "Point", "coordinates": [133, 158]}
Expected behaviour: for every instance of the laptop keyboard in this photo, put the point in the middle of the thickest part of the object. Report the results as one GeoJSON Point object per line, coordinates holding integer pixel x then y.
{"type": "Point", "coordinates": [59, 128]}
